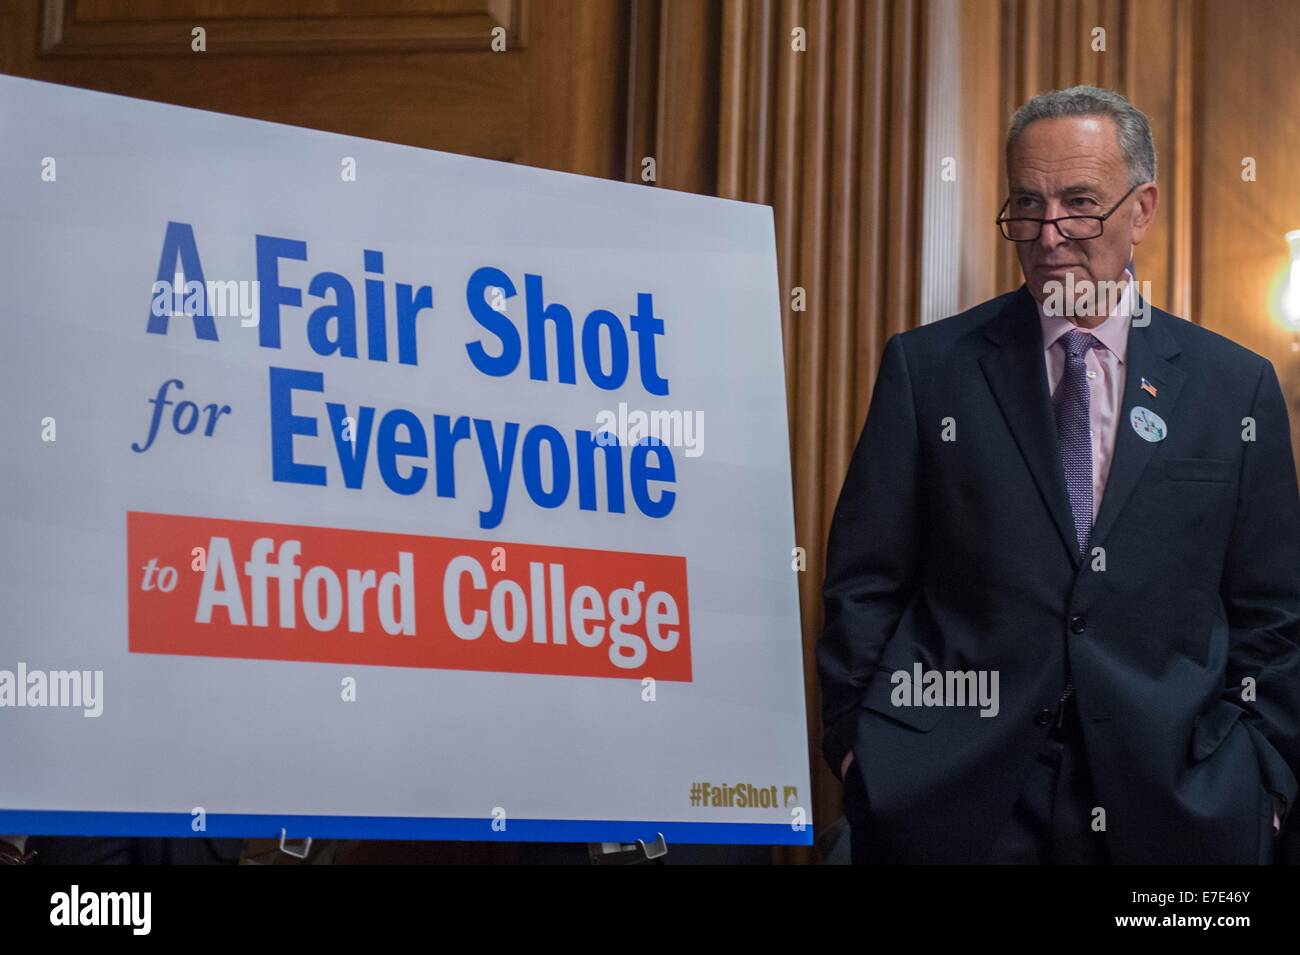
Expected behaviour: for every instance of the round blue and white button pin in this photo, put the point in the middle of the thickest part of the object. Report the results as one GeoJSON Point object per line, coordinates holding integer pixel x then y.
{"type": "Point", "coordinates": [1149, 425]}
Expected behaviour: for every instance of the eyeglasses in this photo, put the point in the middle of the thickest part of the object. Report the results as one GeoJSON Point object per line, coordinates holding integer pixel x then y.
{"type": "Point", "coordinates": [1027, 229]}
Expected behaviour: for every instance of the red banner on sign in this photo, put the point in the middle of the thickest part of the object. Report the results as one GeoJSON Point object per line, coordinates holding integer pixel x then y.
{"type": "Point", "coordinates": [222, 588]}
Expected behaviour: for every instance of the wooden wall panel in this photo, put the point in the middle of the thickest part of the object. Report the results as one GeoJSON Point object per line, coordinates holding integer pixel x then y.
{"type": "Point", "coordinates": [419, 72]}
{"type": "Point", "coordinates": [675, 50]}
{"type": "Point", "coordinates": [117, 28]}
{"type": "Point", "coordinates": [1157, 77]}
{"type": "Point", "coordinates": [982, 126]}
{"type": "Point", "coordinates": [942, 184]}
{"type": "Point", "coordinates": [1249, 107]}
{"type": "Point", "coordinates": [832, 138]}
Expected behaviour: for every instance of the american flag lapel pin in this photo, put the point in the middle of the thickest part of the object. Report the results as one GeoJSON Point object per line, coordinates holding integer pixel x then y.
{"type": "Point", "coordinates": [1148, 388]}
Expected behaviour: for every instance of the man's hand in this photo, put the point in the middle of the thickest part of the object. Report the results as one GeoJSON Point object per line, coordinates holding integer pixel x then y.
{"type": "Point", "coordinates": [844, 766]}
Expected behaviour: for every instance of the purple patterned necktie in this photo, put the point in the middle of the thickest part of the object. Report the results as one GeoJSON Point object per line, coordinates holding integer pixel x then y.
{"type": "Point", "coordinates": [1073, 426]}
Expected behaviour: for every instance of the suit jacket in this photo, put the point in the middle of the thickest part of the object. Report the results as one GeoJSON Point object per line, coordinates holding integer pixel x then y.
{"type": "Point", "coordinates": [952, 546]}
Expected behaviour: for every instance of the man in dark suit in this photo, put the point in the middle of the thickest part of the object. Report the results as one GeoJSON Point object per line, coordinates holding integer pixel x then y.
{"type": "Point", "coordinates": [1084, 521]}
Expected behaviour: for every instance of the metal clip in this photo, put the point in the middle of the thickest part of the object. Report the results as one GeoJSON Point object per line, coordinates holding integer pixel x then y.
{"type": "Point", "coordinates": [623, 853]}
{"type": "Point", "coordinates": [657, 849]}
{"type": "Point", "coordinates": [306, 846]}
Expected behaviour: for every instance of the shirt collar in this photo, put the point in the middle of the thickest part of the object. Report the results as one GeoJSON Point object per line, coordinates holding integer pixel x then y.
{"type": "Point", "coordinates": [1112, 333]}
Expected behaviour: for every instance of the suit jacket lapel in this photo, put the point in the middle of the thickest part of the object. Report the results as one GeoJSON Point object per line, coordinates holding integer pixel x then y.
{"type": "Point", "coordinates": [1017, 373]}
{"type": "Point", "coordinates": [1149, 349]}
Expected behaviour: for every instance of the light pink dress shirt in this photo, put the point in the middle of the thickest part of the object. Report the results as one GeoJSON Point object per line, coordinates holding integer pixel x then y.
{"type": "Point", "coordinates": [1106, 373]}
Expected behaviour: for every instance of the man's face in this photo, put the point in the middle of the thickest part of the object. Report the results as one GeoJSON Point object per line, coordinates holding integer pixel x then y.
{"type": "Point", "coordinates": [1073, 166]}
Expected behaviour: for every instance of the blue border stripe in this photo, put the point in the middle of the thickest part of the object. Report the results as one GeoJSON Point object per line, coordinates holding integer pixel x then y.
{"type": "Point", "coordinates": [177, 825]}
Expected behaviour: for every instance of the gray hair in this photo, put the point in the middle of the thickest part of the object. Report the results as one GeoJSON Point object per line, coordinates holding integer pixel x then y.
{"type": "Point", "coordinates": [1130, 123]}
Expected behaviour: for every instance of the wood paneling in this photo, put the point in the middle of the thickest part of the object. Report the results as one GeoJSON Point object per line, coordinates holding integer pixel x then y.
{"type": "Point", "coordinates": [154, 28]}
{"type": "Point", "coordinates": [559, 101]}
{"type": "Point", "coordinates": [672, 99]}
{"type": "Point", "coordinates": [1249, 108]}
{"type": "Point", "coordinates": [1158, 78]}
{"type": "Point", "coordinates": [978, 91]}
{"type": "Point", "coordinates": [832, 139]}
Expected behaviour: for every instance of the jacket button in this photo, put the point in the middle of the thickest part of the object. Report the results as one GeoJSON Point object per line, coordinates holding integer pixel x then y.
{"type": "Point", "coordinates": [1078, 625]}
{"type": "Point", "coordinates": [1044, 717]}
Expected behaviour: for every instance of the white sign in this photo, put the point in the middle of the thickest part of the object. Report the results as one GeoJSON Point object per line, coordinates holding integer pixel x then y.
{"type": "Point", "coordinates": [359, 490]}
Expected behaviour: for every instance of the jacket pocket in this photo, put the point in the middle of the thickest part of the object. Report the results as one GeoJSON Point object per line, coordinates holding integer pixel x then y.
{"type": "Point", "coordinates": [1201, 469]}
{"type": "Point", "coordinates": [878, 699]}
{"type": "Point", "coordinates": [1212, 728]}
